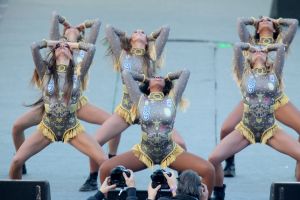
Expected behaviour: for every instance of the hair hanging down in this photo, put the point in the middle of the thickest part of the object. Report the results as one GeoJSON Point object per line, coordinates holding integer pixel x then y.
{"type": "Point", "coordinates": [276, 35]}
{"type": "Point", "coordinates": [189, 183]}
{"type": "Point", "coordinates": [144, 87]}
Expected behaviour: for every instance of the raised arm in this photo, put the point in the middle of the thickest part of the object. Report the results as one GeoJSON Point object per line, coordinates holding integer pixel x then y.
{"type": "Point", "coordinates": [238, 59]}
{"type": "Point", "coordinates": [54, 29]}
{"type": "Point", "coordinates": [279, 60]}
{"type": "Point", "coordinates": [113, 37]}
{"type": "Point", "coordinates": [289, 34]}
{"type": "Point", "coordinates": [88, 57]}
{"type": "Point", "coordinates": [37, 57]}
{"type": "Point", "coordinates": [243, 31]}
{"type": "Point", "coordinates": [94, 26]}
{"type": "Point", "coordinates": [131, 84]}
{"type": "Point", "coordinates": [160, 36]}
{"type": "Point", "coordinates": [183, 77]}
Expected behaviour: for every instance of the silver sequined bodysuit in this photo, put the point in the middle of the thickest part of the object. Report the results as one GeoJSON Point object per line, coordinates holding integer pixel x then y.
{"type": "Point", "coordinates": [156, 114]}
{"type": "Point", "coordinates": [260, 91]}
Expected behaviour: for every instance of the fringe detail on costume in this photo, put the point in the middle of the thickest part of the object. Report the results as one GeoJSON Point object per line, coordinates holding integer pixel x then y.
{"type": "Point", "coordinates": [184, 104]}
{"type": "Point", "coordinates": [47, 132]}
{"type": "Point", "coordinates": [245, 132]}
{"type": "Point", "coordinates": [281, 101]}
{"type": "Point", "coordinates": [72, 132]}
{"type": "Point", "coordinates": [172, 156]}
{"type": "Point", "coordinates": [138, 152]}
{"type": "Point", "coordinates": [82, 101]}
{"type": "Point", "coordinates": [125, 114]}
{"type": "Point", "coordinates": [133, 112]}
{"type": "Point", "coordinates": [269, 133]}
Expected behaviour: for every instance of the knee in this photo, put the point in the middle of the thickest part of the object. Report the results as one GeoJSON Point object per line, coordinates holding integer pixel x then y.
{"type": "Point", "coordinates": [105, 169]}
{"type": "Point", "coordinates": [17, 128]}
{"type": "Point", "coordinates": [17, 162]}
{"type": "Point", "coordinates": [225, 130]}
{"type": "Point", "coordinates": [214, 160]}
{"type": "Point", "coordinates": [209, 170]}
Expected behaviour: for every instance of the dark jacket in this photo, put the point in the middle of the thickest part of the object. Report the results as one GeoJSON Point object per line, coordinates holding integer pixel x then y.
{"type": "Point", "coordinates": [131, 195]}
{"type": "Point", "coordinates": [179, 197]}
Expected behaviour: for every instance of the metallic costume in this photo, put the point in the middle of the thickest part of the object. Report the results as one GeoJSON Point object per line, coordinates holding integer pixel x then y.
{"type": "Point", "coordinates": [135, 61]}
{"type": "Point", "coordinates": [260, 88]}
{"type": "Point", "coordinates": [285, 37]}
{"type": "Point", "coordinates": [78, 55]}
{"type": "Point", "coordinates": [59, 122]}
{"type": "Point", "coordinates": [156, 114]}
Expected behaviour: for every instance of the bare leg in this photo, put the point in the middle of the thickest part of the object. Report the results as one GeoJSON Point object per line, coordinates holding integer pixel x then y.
{"type": "Point", "coordinates": [92, 114]}
{"type": "Point", "coordinates": [177, 138]}
{"type": "Point", "coordinates": [127, 159]}
{"type": "Point", "coordinates": [284, 143]}
{"type": "Point", "coordinates": [113, 145]}
{"type": "Point", "coordinates": [31, 118]}
{"type": "Point", "coordinates": [34, 144]}
{"type": "Point", "coordinates": [111, 128]}
{"type": "Point", "coordinates": [87, 145]}
{"type": "Point", "coordinates": [289, 115]}
{"type": "Point", "coordinates": [231, 144]}
{"type": "Point", "coordinates": [204, 168]}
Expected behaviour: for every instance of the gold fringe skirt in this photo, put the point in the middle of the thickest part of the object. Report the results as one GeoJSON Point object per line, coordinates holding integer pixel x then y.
{"type": "Point", "coordinates": [68, 135]}
{"type": "Point", "coordinates": [82, 102]}
{"type": "Point", "coordinates": [128, 115]}
{"type": "Point", "coordinates": [281, 101]}
{"type": "Point", "coordinates": [171, 157]}
{"type": "Point", "coordinates": [247, 133]}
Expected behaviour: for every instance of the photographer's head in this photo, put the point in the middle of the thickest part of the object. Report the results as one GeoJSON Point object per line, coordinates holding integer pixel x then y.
{"type": "Point", "coordinates": [189, 183]}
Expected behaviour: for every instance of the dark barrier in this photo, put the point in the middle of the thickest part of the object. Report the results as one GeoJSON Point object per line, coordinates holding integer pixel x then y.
{"type": "Point", "coordinates": [141, 194]}
{"type": "Point", "coordinates": [285, 9]}
{"type": "Point", "coordinates": [285, 191]}
{"type": "Point", "coordinates": [24, 189]}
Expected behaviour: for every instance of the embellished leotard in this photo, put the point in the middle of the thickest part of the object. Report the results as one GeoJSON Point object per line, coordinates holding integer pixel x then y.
{"type": "Point", "coordinates": [134, 62]}
{"type": "Point", "coordinates": [260, 88]}
{"type": "Point", "coordinates": [285, 37]}
{"type": "Point", "coordinates": [156, 114]}
{"type": "Point", "coordinates": [59, 122]}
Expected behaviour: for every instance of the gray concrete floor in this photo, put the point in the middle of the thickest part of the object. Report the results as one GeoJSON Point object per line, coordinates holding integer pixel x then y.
{"type": "Point", "coordinates": [23, 22]}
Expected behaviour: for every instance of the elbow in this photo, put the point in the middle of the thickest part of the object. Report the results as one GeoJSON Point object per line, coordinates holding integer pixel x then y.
{"type": "Point", "coordinates": [295, 22]}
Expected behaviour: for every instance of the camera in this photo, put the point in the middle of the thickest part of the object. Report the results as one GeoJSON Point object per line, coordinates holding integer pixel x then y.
{"type": "Point", "coordinates": [158, 178]}
{"type": "Point", "coordinates": [116, 176]}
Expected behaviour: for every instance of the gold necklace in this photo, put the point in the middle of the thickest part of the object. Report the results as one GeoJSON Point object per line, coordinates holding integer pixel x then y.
{"type": "Point", "coordinates": [156, 96]}
{"type": "Point", "coordinates": [266, 41]}
{"type": "Point", "coordinates": [137, 51]}
{"type": "Point", "coordinates": [260, 70]}
{"type": "Point", "coordinates": [61, 68]}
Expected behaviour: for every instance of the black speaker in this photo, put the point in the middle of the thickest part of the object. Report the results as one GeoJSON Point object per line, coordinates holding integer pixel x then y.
{"type": "Point", "coordinates": [24, 189]}
{"type": "Point", "coordinates": [285, 191]}
{"type": "Point", "coordinates": [285, 9]}
{"type": "Point", "coordinates": [141, 194]}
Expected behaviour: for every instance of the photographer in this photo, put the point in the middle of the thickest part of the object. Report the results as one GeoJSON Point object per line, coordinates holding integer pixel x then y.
{"type": "Point", "coordinates": [106, 187]}
{"type": "Point", "coordinates": [189, 187]}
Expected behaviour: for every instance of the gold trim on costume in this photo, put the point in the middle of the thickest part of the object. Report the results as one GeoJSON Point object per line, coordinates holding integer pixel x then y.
{"type": "Point", "coordinates": [266, 41]}
{"type": "Point", "coordinates": [46, 131]}
{"type": "Point", "coordinates": [156, 96]}
{"type": "Point", "coordinates": [137, 51]}
{"type": "Point", "coordinates": [83, 100]}
{"type": "Point", "coordinates": [125, 114]}
{"type": "Point", "coordinates": [281, 101]}
{"type": "Point", "coordinates": [246, 132]}
{"type": "Point", "coordinates": [268, 133]}
{"type": "Point", "coordinates": [61, 68]}
{"type": "Point", "coordinates": [72, 132]}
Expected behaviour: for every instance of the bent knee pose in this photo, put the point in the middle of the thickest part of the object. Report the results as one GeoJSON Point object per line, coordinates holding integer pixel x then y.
{"type": "Point", "coordinates": [267, 31]}
{"type": "Point", "coordinates": [156, 108]}
{"type": "Point", "coordinates": [61, 89]}
{"type": "Point", "coordinates": [260, 82]}
{"type": "Point", "coordinates": [85, 110]}
{"type": "Point", "coordinates": [140, 54]}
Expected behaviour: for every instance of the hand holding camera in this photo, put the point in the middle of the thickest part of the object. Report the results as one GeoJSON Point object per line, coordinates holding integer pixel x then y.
{"type": "Point", "coordinates": [117, 177]}
{"type": "Point", "coordinates": [159, 178]}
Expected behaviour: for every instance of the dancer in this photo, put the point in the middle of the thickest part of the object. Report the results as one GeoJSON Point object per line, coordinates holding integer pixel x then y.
{"type": "Point", "coordinates": [267, 31]}
{"type": "Point", "coordinates": [156, 108]}
{"type": "Point", "coordinates": [61, 89]}
{"type": "Point", "coordinates": [140, 54]}
{"type": "Point", "coordinates": [260, 82]}
{"type": "Point", "coordinates": [85, 111]}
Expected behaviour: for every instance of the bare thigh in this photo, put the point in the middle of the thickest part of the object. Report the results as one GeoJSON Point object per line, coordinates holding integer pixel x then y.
{"type": "Point", "coordinates": [289, 115]}
{"type": "Point", "coordinates": [231, 144]}
{"type": "Point", "coordinates": [88, 146]}
{"type": "Point", "coordinates": [178, 139]}
{"type": "Point", "coordinates": [92, 114]}
{"type": "Point", "coordinates": [232, 120]}
{"type": "Point", "coordinates": [30, 118]}
{"type": "Point", "coordinates": [285, 144]}
{"type": "Point", "coordinates": [112, 126]}
{"type": "Point", "coordinates": [31, 146]}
